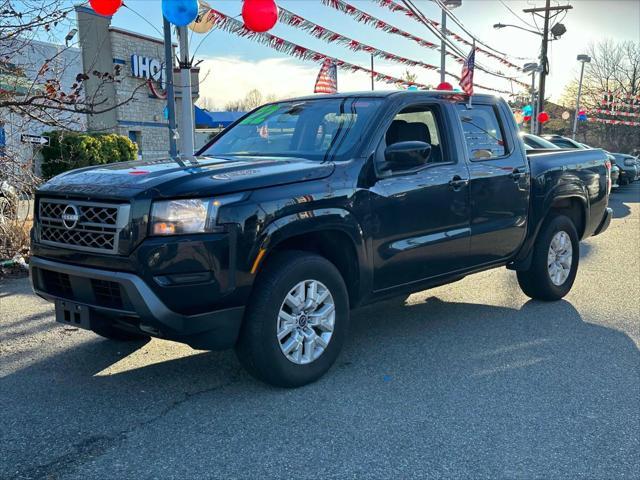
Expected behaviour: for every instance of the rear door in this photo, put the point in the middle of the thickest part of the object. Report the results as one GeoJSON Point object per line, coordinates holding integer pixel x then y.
{"type": "Point", "coordinates": [499, 185]}
{"type": "Point", "coordinates": [420, 216]}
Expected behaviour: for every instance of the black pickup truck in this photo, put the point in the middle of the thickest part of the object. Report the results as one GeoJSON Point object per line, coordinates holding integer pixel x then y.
{"type": "Point", "coordinates": [305, 209]}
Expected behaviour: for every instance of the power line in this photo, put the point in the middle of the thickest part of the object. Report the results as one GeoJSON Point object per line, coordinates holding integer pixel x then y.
{"type": "Point", "coordinates": [504, 4]}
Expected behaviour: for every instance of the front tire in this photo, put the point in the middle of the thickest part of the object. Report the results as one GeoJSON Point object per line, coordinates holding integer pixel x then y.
{"type": "Point", "coordinates": [555, 261]}
{"type": "Point", "coordinates": [296, 321]}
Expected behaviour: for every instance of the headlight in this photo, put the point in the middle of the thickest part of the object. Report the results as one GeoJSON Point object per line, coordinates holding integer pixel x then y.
{"type": "Point", "coordinates": [179, 217]}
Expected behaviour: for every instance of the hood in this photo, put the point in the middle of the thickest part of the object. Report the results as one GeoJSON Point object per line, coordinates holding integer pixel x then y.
{"type": "Point", "coordinates": [199, 176]}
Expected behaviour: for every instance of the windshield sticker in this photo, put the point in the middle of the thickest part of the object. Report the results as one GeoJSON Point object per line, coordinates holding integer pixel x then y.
{"type": "Point", "coordinates": [260, 116]}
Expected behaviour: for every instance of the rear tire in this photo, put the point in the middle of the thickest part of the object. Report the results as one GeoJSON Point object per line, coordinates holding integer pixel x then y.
{"type": "Point", "coordinates": [296, 321]}
{"type": "Point", "coordinates": [554, 266]}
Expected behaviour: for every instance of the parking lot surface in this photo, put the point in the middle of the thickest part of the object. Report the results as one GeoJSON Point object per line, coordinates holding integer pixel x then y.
{"type": "Point", "coordinates": [469, 380]}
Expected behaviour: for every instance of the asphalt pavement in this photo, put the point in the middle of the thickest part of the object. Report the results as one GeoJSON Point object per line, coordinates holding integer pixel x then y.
{"type": "Point", "coordinates": [469, 380]}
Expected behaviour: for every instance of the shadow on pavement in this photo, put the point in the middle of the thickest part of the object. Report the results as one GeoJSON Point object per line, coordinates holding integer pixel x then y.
{"type": "Point", "coordinates": [623, 195]}
{"type": "Point", "coordinates": [434, 388]}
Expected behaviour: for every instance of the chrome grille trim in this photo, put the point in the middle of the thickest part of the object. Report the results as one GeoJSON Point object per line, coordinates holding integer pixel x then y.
{"type": "Point", "coordinates": [97, 230]}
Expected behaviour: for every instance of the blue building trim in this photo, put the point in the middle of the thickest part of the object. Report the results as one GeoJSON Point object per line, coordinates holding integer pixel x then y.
{"type": "Point", "coordinates": [127, 123]}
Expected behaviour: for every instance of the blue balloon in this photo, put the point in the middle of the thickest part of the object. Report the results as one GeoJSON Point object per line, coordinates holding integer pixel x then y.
{"type": "Point", "coordinates": [180, 12]}
{"type": "Point", "coordinates": [412, 88]}
{"type": "Point", "coordinates": [527, 110]}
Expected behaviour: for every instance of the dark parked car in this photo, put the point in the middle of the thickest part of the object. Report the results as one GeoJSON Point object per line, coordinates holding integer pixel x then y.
{"type": "Point", "coordinates": [534, 142]}
{"type": "Point", "coordinates": [564, 142]}
{"type": "Point", "coordinates": [615, 175]}
{"type": "Point", "coordinates": [305, 209]}
{"type": "Point", "coordinates": [629, 169]}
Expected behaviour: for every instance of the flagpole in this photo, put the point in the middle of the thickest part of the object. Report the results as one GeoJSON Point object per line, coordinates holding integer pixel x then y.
{"type": "Point", "coordinates": [373, 87]}
{"type": "Point", "coordinates": [470, 106]}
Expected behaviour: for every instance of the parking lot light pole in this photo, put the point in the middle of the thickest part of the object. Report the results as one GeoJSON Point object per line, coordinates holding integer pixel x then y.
{"type": "Point", "coordinates": [533, 68]}
{"type": "Point", "coordinates": [450, 4]}
{"type": "Point", "coordinates": [582, 59]}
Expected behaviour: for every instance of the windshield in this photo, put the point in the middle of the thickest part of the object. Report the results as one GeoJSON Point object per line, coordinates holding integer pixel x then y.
{"type": "Point", "coordinates": [312, 129]}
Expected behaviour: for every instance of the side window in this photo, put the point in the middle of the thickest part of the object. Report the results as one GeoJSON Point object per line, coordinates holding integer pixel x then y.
{"type": "Point", "coordinates": [482, 132]}
{"type": "Point", "coordinates": [420, 124]}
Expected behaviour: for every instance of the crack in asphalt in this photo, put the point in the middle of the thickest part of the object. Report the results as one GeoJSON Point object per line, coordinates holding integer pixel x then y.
{"type": "Point", "coordinates": [97, 445]}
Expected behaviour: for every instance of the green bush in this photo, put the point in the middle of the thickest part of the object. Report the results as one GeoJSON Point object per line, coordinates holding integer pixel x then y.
{"type": "Point", "coordinates": [70, 150]}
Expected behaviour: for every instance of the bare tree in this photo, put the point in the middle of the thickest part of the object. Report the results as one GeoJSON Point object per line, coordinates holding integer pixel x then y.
{"type": "Point", "coordinates": [615, 68]}
{"type": "Point", "coordinates": [251, 100]}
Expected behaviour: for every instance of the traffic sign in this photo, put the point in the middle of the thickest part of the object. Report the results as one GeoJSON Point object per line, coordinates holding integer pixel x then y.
{"type": "Point", "coordinates": [34, 139]}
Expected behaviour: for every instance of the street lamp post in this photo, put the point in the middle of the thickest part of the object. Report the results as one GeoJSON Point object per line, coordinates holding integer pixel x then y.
{"type": "Point", "coordinates": [582, 59]}
{"type": "Point", "coordinates": [449, 4]}
{"type": "Point", "coordinates": [533, 68]}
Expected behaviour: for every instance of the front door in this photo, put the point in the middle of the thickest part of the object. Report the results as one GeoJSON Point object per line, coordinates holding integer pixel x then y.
{"type": "Point", "coordinates": [499, 186]}
{"type": "Point", "coordinates": [420, 216]}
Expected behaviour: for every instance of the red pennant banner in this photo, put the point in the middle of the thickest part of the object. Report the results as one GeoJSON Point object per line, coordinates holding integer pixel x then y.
{"type": "Point", "coordinates": [236, 27]}
{"type": "Point", "coordinates": [396, 7]}
{"type": "Point", "coordinates": [616, 113]}
{"type": "Point", "coordinates": [614, 122]}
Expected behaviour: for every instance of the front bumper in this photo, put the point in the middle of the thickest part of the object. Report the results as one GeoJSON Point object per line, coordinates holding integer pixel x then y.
{"type": "Point", "coordinates": [126, 298]}
{"type": "Point", "coordinates": [606, 221]}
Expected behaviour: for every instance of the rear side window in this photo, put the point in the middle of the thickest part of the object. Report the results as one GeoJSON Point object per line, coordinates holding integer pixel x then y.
{"type": "Point", "coordinates": [482, 132]}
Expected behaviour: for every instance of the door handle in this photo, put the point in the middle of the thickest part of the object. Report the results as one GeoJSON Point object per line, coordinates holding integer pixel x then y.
{"type": "Point", "coordinates": [458, 182]}
{"type": "Point", "coordinates": [516, 175]}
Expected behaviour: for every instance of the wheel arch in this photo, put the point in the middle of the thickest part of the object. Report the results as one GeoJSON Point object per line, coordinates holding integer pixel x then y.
{"type": "Point", "coordinates": [332, 233]}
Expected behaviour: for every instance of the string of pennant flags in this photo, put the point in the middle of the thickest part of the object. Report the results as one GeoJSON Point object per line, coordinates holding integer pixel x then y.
{"type": "Point", "coordinates": [233, 26]}
{"type": "Point", "coordinates": [296, 21]}
{"type": "Point", "coordinates": [609, 121]}
{"type": "Point", "coordinates": [396, 7]}
{"type": "Point", "coordinates": [618, 113]}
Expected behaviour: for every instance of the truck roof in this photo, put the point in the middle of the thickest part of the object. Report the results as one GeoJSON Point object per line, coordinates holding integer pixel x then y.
{"type": "Point", "coordinates": [396, 93]}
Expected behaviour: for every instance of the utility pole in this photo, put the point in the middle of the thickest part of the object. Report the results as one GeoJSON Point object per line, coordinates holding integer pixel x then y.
{"type": "Point", "coordinates": [544, 61]}
{"type": "Point", "coordinates": [171, 97]}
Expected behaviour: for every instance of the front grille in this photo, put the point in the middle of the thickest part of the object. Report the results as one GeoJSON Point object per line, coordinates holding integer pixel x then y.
{"type": "Point", "coordinates": [107, 294]}
{"type": "Point", "coordinates": [92, 227]}
{"type": "Point", "coordinates": [57, 284]}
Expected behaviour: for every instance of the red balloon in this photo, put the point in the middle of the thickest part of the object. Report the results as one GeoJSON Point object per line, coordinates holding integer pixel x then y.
{"type": "Point", "coordinates": [543, 117]}
{"type": "Point", "coordinates": [259, 15]}
{"type": "Point", "coordinates": [106, 7]}
{"type": "Point", "coordinates": [445, 86]}
{"type": "Point", "coordinates": [527, 118]}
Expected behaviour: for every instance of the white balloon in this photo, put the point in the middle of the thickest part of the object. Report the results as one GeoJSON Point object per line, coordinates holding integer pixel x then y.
{"type": "Point", "coordinates": [205, 20]}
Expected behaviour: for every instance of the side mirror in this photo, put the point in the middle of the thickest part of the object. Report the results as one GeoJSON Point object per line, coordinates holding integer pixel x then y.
{"type": "Point", "coordinates": [404, 155]}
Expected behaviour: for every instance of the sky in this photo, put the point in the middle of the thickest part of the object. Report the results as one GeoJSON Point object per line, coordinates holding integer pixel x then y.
{"type": "Point", "coordinates": [232, 66]}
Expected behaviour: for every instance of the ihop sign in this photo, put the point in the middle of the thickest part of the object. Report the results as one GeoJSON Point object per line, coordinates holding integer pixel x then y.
{"type": "Point", "coordinates": [148, 68]}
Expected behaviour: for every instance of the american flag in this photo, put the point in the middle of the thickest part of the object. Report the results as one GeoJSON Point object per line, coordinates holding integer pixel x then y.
{"type": "Point", "coordinates": [327, 81]}
{"type": "Point", "coordinates": [466, 80]}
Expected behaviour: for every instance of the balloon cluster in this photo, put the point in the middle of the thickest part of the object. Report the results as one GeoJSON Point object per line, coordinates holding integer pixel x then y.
{"type": "Point", "coordinates": [105, 7]}
{"type": "Point", "coordinates": [582, 115]}
{"type": "Point", "coordinates": [258, 15]}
